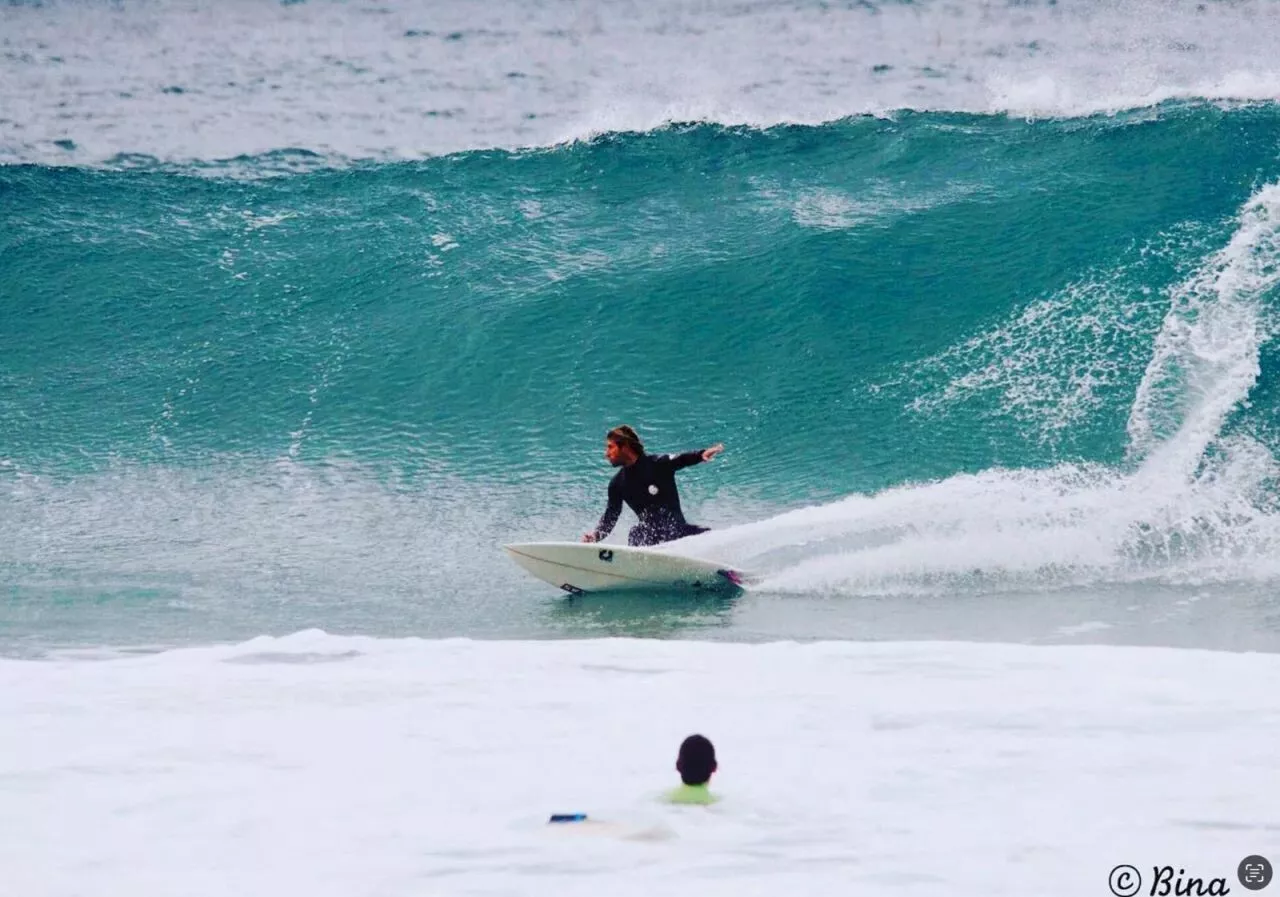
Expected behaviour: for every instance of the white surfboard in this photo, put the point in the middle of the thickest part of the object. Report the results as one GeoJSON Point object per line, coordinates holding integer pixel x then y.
{"type": "Point", "coordinates": [578, 567]}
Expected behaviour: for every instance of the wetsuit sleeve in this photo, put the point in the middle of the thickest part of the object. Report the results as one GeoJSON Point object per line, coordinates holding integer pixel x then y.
{"type": "Point", "coordinates": [684, 459]}
{"type": "Point", "coordinates": [611, 512]}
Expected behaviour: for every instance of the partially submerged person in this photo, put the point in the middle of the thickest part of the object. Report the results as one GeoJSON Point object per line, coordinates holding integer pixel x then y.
{"type": "Point", "coordinates": [647, 484]}
{"type": "Point", "coordinates": [696, 762]}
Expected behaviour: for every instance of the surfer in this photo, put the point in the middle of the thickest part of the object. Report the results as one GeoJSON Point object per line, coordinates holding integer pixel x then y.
{"type": "Point", "coordinates": [695, 763]}
{"type": "Point", "coordinates": [647, 483]}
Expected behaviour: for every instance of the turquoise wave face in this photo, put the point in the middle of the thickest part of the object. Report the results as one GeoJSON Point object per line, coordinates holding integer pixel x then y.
{"type": "Point", "coordinates": [948, 355]}
{"type": "Point", "coordinates": [847, 306]}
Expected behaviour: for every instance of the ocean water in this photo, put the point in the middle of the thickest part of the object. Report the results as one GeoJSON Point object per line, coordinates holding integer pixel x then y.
{"type": "Point", "coordinates": [307, 307]}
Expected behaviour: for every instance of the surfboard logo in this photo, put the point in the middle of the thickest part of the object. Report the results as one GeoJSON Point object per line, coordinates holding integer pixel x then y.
{"type": "Point", "coordinates": [606, 554]}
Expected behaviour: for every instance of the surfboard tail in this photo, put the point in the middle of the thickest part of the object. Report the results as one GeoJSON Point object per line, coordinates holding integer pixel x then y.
{"type": "Point", "coordinates": [733, 576]}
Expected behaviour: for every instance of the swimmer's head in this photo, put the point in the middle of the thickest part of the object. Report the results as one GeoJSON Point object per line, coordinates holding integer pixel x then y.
{"type": "Point", "coordinates": [697, 760]}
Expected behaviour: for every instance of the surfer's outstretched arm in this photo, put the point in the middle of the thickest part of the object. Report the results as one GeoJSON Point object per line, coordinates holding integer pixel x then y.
{"type": "Point", "coordinates": [686, 459]}
{"type": "Point", "coordinates": [610, 516]}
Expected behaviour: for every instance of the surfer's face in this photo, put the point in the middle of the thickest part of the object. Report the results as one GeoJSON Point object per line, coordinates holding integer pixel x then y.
{"type": "Point", "coordinates": [617, 454]}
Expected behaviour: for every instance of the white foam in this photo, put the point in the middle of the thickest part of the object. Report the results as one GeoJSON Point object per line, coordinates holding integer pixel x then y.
{"type": "Point", "coordinates": [880, 202]}
{"type": "Point", "coordinates": [347, 766]}
{"type": "Point", "coordinates": [1205, 359]}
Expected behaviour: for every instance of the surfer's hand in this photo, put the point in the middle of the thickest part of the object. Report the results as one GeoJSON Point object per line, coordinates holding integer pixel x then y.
{"type": "Point", "coordinates": [588, 537]}
{"type": "Point", "coordinates": [710, 453]}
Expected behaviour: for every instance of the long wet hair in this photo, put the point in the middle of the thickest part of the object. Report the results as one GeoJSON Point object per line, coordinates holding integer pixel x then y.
{"type": "Point", "coordinates": [624, 435]}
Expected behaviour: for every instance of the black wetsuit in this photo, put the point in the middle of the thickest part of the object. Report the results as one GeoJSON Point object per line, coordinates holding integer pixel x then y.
{"type": "Point", "coordinates": [649, 488]}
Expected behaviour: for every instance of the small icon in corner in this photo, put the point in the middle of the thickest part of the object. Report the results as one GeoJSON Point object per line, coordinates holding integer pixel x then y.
{"type": "Point", "coordinates": [1254, 872]}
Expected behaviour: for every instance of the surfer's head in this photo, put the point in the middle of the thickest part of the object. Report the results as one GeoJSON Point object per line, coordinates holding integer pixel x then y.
{"type": "Point", "coordinates": [696, 761]}
{"type": "Point", "coordinates": [622, 446]}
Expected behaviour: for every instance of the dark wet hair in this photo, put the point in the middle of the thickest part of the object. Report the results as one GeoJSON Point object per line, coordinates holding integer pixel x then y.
{"type": "Point", "coordinates": [624, 435]}
{"type": "Point", "coordinates": [697, 760]}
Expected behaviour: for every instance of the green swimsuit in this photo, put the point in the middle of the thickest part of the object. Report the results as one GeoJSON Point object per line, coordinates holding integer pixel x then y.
{"type": "Point", "coordinates": [691, 794]}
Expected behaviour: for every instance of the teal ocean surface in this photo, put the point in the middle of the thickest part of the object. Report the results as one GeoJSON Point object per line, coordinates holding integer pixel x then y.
{"type": "Point", "coordinates": [978, 373]}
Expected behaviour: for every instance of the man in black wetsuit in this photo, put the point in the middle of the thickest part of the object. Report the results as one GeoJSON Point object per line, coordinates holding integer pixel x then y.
{"type": "Point", "coordinates": [647, 483]}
